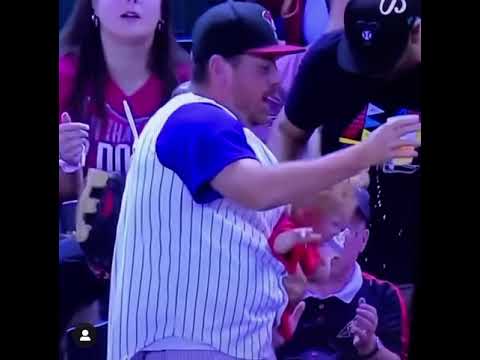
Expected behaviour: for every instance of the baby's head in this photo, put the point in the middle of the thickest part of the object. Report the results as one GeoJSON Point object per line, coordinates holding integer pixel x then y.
{"type": "Point", "coordinates": [328, 213]}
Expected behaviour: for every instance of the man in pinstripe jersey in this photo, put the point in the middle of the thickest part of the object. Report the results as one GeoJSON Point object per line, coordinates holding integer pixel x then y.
{"type": "Point", "coordinates": [193, 276]}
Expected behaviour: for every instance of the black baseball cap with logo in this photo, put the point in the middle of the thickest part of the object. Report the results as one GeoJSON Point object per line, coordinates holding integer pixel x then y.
{"type": "Point", "coordinates": [235, 28]}
{"type": "Point", "coordinates": [376, 34]}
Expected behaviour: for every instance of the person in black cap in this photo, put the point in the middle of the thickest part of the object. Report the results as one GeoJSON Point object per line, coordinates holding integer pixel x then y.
{"type": "Point", "coordinates": [193, 276]}
{"type": "Point", "coordinates": [349, 83]}
{"type": "Point", "coordinates": [353, 315]}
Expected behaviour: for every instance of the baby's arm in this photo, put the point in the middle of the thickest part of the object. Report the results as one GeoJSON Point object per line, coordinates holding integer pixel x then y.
{"type": "Point", "coordinates": [288, 241]}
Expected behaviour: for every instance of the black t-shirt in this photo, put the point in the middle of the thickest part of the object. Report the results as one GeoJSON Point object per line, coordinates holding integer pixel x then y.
{"type": "Point", "coordinates": [323, 331]}
{"type": "Point", "coordinates": [344, 105]}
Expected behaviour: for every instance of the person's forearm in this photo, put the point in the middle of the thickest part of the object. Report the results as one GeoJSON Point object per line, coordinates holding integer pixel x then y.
{"type": "Point", "coordinates": [69, 184]}
{"type": "Point", "coordinates": [288, 182]}
{"type": "Point", "coordinates": [260, 187]}
{"type": "Point", "coordinates": [285, 148]}
{"type": "Point", "coordinates": [286, 141]}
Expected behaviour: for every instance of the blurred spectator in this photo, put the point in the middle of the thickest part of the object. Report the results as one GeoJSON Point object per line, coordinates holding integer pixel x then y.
{"type": "Point", "coordinates": [315, 19]}
{"type": "Point", "coordinates": [304, 21]}
{"type": "Point", "coordinates": [322, 16]}
{"type": "Point", "coordinates": [109, 52]}
{"type": "Point", "coordinates": [288, 14]}
{"type": "Point", "coordinates": [352, 315]}
{"type": "Point", "coordinates": [350, 82]}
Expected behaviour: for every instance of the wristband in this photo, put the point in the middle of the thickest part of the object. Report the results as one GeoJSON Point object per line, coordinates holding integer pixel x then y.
{"type": "Point", "coordinates": [67, 168]}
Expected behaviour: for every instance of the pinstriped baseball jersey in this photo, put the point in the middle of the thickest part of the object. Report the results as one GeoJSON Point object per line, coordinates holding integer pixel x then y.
{"type": "Point", "coordinates": [189, 263]}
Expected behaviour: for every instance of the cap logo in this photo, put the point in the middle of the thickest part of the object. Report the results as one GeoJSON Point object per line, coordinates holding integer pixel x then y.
{"type": "Point", "coordinates": [397, 6]}
{"type": "Point", "coordinates": [269, 19]}
{"type": "Point", "coordinates": [367, 31]}
{"type": "Point", "coordinates": [367, 35]}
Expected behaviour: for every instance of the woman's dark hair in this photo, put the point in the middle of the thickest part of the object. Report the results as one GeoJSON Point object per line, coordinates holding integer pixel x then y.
{"type": "Point", "coordinates": [81, 38]}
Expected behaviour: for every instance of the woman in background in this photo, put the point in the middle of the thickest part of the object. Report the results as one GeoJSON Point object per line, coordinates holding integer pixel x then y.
{"type": "Point", "coordinates": [111, 52]}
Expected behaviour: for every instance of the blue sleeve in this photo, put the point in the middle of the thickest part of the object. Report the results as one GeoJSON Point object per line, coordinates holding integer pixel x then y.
{"type": "Point", "coordinates": [197, 142]}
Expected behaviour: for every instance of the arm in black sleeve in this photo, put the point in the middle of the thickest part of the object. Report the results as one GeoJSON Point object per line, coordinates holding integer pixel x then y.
{"type": "Point", "coordinates": [309, 101]}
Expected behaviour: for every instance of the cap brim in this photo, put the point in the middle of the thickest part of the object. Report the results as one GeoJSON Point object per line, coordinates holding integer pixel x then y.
{"type": "Point", "coordinates": [275, 51]}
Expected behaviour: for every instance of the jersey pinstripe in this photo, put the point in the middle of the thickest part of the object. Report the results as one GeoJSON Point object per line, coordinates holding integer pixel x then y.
{"type": "Point", "coordinates": [201, 272]}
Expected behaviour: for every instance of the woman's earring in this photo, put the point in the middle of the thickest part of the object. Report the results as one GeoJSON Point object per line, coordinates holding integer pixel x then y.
{"type": "Point", "coordinates": [161, 22]}
{"type": "Point", "coordinates": [95, 20]}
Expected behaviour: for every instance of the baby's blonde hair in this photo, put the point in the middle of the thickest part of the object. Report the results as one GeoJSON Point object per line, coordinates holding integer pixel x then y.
{"type": "Point", "coordinates": [339, 199]}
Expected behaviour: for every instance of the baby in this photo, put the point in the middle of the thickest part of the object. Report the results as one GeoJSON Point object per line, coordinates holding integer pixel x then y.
{"type": "Point", "coordinates": [312, 235]}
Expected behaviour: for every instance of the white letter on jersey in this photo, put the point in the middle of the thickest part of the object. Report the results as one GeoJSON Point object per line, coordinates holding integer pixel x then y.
{"type": "Point", "coordinates": [122, 158]}
{"type": "Point", "coordinates": [113, 159]}
{"type": "Point", "coordinates": [393, 7]}
{"type": "Point", "coordinates": [105, 157]}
